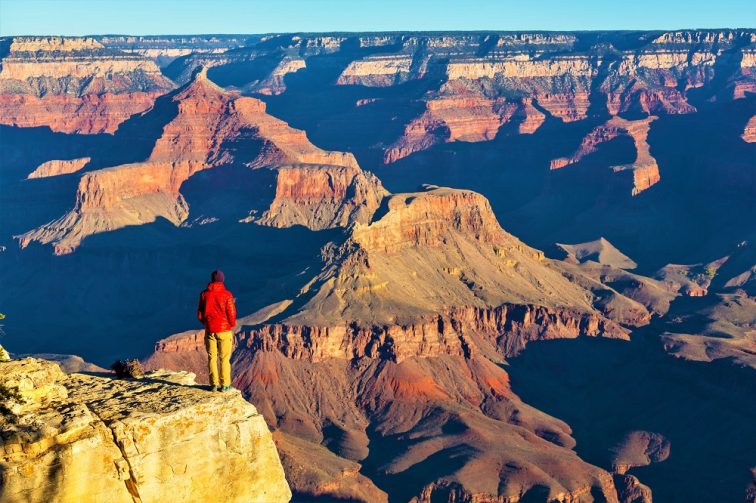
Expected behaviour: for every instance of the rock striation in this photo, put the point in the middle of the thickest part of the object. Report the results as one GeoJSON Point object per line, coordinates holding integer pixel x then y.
{"type": "Point", "coordinates": [85, 437]}
{"type": "Point", "coordinates": [74, 85]}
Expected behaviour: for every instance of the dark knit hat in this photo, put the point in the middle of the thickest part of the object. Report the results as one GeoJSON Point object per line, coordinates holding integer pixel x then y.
{"type": "Point", "coordinates": [217, 275]}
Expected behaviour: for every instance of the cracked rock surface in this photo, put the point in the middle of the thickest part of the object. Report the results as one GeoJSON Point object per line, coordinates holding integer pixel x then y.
{"type": "Point", "coordinates": [161, 438]}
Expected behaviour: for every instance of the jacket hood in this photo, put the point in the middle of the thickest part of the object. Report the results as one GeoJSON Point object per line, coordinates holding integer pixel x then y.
{"type": "Point", "coordinates": [216, 285]}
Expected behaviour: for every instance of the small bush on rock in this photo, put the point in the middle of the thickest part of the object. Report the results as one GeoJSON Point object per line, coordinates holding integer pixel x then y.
{"type": "Point", "coordinates": [128, 368]}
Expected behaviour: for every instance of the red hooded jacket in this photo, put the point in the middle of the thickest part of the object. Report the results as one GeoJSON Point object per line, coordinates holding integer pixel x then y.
{"type": "Point", "coordinates": [216, 309]}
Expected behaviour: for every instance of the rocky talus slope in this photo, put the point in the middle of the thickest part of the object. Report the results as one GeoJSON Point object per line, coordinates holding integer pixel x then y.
{"type": "Point", "coordinates": [89, 438]}
{"type": "Point", "coordinates": [719, 325]}
{"type": "Point", "coordinates": [74, 85]}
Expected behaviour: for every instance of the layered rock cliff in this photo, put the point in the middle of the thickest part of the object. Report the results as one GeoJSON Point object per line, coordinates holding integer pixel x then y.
{"type": "Point", "coordinates": [322, 197]}
{"type": "Point", "coordinates": [74, 85]}
{"type": "Point", "coordinates": [164, 49]}
{"type": "Point", "coordinates": [213, 128]}
{"type": "Point", "coordinates": [85, 437]}
{"type": "Point", "coordinates": [492, 79]}
{"type": "Point", "coordinates": [428, 252]}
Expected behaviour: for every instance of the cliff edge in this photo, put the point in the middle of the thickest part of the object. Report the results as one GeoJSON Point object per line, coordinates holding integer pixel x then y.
{"type": "Point", "coordinates": [90, 438]}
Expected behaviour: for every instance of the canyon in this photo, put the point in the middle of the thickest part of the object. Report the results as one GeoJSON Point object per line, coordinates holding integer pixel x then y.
{"type": "Point", "coordinates": [407, 326]}
{"type": "Point", "coordinates": [208, 124]}
{"type": "Point", "coordinates": [439, 244]}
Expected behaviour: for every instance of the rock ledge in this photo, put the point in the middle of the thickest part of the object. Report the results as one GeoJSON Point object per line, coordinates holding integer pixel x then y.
{"type": "Point", "coordinates": [161, 438]}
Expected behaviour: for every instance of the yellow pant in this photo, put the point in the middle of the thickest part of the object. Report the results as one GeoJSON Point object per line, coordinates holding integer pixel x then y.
{"type": "Point", "coordinates": [218, 344]}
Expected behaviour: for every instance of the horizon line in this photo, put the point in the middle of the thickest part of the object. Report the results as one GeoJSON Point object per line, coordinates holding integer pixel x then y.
{"type": "Point", "coordinates": [341, 32]}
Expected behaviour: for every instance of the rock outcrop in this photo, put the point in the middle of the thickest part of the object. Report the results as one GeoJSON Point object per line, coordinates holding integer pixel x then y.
{"type": "Point", "coordinates": [639, 448]}
{"type": "Point", "coordinates": [209, 126]}
{"type": "Point", "coordinates": [59, 167]}
{"type": "Point", "coordinates": [322, 197]}
{"type": "Point", "coordinates": [275, 83]}
{"type": "Point", "coordinates": [75, 85]}
{"type": "Point", "coordinates": [645, 171]}
{"type": "Point", "coordinates": [692, 280]}
{"type": "Point", "coordinates": [749, 133]}
{"type": "Point", "coordinates": [463, 116]}
{"type": "Point", "coordinates": [437, 259]}
{"type": "Point", "coordinates": [720, 329]}
{"type": "Point", "coordinates": [492, 79]}
{"type": "Point", "coordinates": [164, 49]}
{"type": "Point", "coordinates": [378, 71]}
{"type": "Point", "coordinates": [340, 421]}
{"type": "Point", "coordinates": [85, 437]}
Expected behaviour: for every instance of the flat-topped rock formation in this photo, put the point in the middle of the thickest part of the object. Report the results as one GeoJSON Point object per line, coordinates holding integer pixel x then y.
{"type": "Point", "coordinates": [85, 437]}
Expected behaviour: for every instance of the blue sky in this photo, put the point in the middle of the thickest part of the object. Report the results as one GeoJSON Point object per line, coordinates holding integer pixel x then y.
{"type": "Point", "coordinates": [141, 17]}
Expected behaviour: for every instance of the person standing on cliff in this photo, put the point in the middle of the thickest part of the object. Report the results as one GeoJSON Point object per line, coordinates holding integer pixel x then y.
{"type": "Point", "coordinates": [217, 311]}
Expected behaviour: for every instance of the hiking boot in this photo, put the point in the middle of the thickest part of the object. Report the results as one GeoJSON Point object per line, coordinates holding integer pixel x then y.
{"type": "Point", "coordinates": [225, 388]}
{"type": "Point", "coordinates": [213, 388]}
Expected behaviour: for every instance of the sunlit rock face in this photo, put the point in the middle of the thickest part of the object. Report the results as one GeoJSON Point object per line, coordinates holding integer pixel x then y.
{"type": "Point", "coordinates": [75, 85]}
{"type": "Point", "coordinates": [83, 437]}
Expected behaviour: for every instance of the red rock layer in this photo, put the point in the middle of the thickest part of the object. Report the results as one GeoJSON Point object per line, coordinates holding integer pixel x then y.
{"type": "Point", "coordinates": [416, 220]}
{"type": "Point", "coordinates": [89, 114]}
{"type": "Point", "coordinates": [440, 389]}
{"type": "Point", "coordinates": [509, 328]}
{"type": "Point", "coordinates": [466, 117]}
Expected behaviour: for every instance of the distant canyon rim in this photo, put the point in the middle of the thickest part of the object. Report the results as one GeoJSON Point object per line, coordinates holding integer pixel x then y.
{"type": "Point", "coordinates": [469, 266]}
